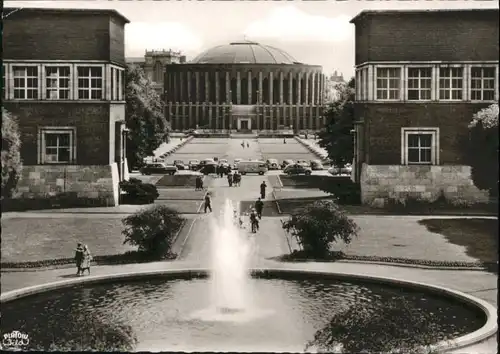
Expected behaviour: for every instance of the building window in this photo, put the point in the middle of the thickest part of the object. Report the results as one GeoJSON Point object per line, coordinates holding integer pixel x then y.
{"type": "Point", "coordinates": [361, 87]}
{"type": "Point", "coordinates": [114, 73]}
{"type": "Point", "coordinates": [57, 146]}
{"type": "Point", "coordinates": [419, 146]}
{"type": "Point", "coordinates": [122, 85]}
{"type": "Point", "coordinates": [388, 83]}
{"type": "Point", "coordinates": [365, 84]}
{"type": "Point", "coordinates": [482, 84]}
{"type": "Point", "coordinates": [25, 82]}
{"type": "Point", "coordinates": [158, 72]}
{"type": "Point", "coordinates": [90, 82]}
{"type": "Point", "coordinates": [57, 79]}
{"type": "Point", "coordinates": [450, 83]}
{"type": "Point", "coordinates": [419, 84]}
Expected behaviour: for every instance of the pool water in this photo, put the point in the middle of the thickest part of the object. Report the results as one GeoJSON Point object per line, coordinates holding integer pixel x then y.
{"type": "Point", "coordinates": [176, 315]}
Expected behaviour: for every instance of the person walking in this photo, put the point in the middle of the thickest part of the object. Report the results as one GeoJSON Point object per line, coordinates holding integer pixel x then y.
{"type": "Point", "coordinates": [217, 169]}
{"type": "Point", "coordinates": [208, 202]}
{"type": "Point", "coordinates": [254, 221]}
{"type": "Point", "coordinates": [197, 183]}
{"type": "Point", "coordinates": [87, 258]}
{"type": "Point", "coordinates": [259, 205]}
{"type": "Point", "coordinates": [222, 170]}
{"type": "Point", "coordinates": [263, 190]}
{"type": "Point", "coordinates": [79, 255]}
{"type": "Point", "coordinates": [230, 179]}
{"type": "Point", "coordinates": [243, 144]}
{"type": "Point", "coordinates": [248, 145]}
{"type": "Point", "coordinates": [236, 179]}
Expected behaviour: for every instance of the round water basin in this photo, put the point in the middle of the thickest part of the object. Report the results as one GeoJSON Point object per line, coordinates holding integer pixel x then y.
{"type": "Point", "coordinates": [279, 314]}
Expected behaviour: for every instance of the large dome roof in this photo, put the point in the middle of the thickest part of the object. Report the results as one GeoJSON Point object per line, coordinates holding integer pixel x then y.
{"type": "Point", "coordinates": [244, 52]}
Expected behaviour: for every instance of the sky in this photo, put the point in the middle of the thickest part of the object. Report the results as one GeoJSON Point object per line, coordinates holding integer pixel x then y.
{"type": "Point", "coordinates": [313, 32]}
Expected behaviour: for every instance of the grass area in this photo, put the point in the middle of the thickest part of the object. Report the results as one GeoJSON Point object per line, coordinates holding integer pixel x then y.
{"type": "Point", "coordinates": [270, 208]}
{"type": "Point", "coordinates": [313, 181]}
{"type": "Point", "coordinates": [479, 236]}
{"type": "Point", "coordinates": [35, 239]}
{"type": "Point", "coordinates": [180, 194]}
{"type": "Point", "coordinates": [182, 206]}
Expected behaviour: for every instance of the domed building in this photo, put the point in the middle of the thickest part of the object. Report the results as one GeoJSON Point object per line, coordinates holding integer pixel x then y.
{"type": "Point", "coordinates": [244, 86]}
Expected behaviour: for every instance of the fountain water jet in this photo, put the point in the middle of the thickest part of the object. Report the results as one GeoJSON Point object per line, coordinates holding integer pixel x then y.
{"type": "Point", "coordinates": [231, 256]}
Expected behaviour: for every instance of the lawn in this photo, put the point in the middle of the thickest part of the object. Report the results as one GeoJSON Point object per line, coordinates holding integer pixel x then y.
{"type": "Point", "coordinates": [182, 206]}
{"type": "Point", "coordinates": [479, 236]}
{"type": "Point", "coordinates": [33, 239]}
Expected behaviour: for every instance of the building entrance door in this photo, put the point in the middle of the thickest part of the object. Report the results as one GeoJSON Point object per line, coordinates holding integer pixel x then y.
{"type": "Point", "coordinates": [244, 124]}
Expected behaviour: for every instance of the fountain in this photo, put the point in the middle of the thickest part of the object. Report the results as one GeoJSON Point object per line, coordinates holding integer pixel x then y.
{"type": "Point", "coordinates": [231, 308]}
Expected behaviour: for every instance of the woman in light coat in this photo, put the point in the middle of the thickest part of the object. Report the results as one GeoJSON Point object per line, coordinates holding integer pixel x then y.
{"type": "Point", "coordinates": [87, 258]}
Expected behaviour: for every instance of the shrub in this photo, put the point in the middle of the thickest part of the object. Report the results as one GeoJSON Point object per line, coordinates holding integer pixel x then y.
{"type": "Point", "coordinates": [396, 327]}
{"type": "Point", "coordinates": [319, 225]}
{"type": "Point", "coordinates": [153, 230]}
{"type": "Point", "coordinates": [138, 192]}
{"type": "Point", "coordinates": [11, 155]}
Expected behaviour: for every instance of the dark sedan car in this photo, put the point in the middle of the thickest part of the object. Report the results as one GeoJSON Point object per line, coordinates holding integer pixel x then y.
{"type": "Point", "coordinates": [158, 168]}
{"type": "Point", "coordinates": [208, 168]}
{"type": "Point", "coordinates": [286, 163]}
{"type": "Point", "coordinates": [297, 169]}
{"type": "Point", "coordinates": [316, 165]}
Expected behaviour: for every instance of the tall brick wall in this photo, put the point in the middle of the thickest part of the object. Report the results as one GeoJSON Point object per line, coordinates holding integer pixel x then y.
{"type": "Point", "coordinates": [52, 36]}
{"type": "Point", "coordinates": [116, 41]}
{"type": "Point", "coordinates": [429, 36]}
{"type": "Point", "coordinates": [90, 119]}
{"type": "Point", "coordinates": [383, 123]}
{"type": "Point", "coordinates": [93, 182]}
{"type": "Point", "coordinates": [382, 182]}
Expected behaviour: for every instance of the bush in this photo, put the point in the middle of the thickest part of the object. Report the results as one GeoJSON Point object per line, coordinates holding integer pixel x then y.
{"type": "Point", "coordinates": [11, 155]}
{"type": "Point", "coordinates": [319, 225]}
{"type": "Point", "coordinates": [153, 230]}
{"type": "Point", "coordinates": [138, 192]}
{"type": "Point", "coordinates": [396, 327]}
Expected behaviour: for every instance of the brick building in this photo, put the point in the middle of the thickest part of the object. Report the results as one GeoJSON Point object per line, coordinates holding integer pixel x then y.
{"type": "Point", "coordinates": [63, 75]}
{"type": "Point", "coordinates": [420, 76]}
{"type": "Point", "coordinates": [153, 63]}
{"type": "Point", "coordinates": [244, 86]}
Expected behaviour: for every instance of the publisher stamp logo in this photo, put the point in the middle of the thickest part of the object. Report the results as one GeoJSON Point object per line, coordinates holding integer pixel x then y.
{"type": "Point", "coordinates": [15, 340]}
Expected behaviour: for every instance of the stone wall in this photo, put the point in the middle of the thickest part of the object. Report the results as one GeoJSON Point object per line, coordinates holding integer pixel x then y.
{"type": "Point", "coordinates": [94, 182]}
{"type": "Point", "coordinates": [382, 182]}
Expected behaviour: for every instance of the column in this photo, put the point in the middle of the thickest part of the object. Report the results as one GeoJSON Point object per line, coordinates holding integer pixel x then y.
{"type": "Point", "coordinates": [181, 88]}
{"type": "Point", "coordinates": [259, 98]}
{"type": "Point", "coordinates": [311, 116]}
{"type": "Point", "coordinates": [188, 86]}
{"type": "Point", "coordinates": [238, 88]}
{"type": "Point", "coordinates": [299, 88]}
{"type": "Point", "coordinates": [229, 98]}
{"type": "Point", "coordinates": [197, 84]}
{"type": "Point", "coordinates": [210, 122]}
{"type": "Point", "coordinates": [281, 88]}
{"type": "Point", "coordinates": [207, 87]}
{"type": "Point", "coordinates": [197, 114]}
{"type": "Point", "coordinates": [371, 83]}
{"type": "Point", "coordinates": [271, 88]}
{"type": "Point", "coordinates": [290, 88]}
{"type": "Point", "coordinates": [306, 89]}
{"type": "Point", "coordinates": [217, 88]}
{"type": "Point", "coordinates": [223, 123]}
{"type": "Point", "coordinates": [314, 88]}
{"type": "Point", "coordinates": [249, 87]}
{"type": "Point", "coordinates": [297, 117]}
{"type": "Point", "coordinates": [175, 123]}
{"type": "Point", "coordinates": [183, 116]}
{"type": "Point", "coordinates": [190, 116]}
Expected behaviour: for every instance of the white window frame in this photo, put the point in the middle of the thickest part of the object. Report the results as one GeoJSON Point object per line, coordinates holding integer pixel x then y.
{"type": "Point", "coordinates": [45, 77]}
{"type": "Point", "coordinates": [408, 68]}
{"type": "Point", "coordinates": [451, 78]}
{"type": "Point", "coordinates": [434, 132]}
{"type": "Point", "coordinates": [358, 85]}
{"type": "Point", "coordinates": [121, 85]}
{"type": "Point", "coordinates": [364, 84]}
{"type": "Point", "coordinates": [116, 77]}
{"type": "Point", "coordinates": [39, 81]}
{"type": "Point", "coordinates": [482, 79]}
{"type": "Point", "coordinates": [42, 157]}
{"type": "Point", "coordinates": [400, 90]}
{"type": "Point", "coordinates": [89, 89]}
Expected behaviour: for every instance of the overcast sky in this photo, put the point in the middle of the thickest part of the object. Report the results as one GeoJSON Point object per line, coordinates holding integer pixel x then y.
{"type": "Point", "coordinates": [313, 32]}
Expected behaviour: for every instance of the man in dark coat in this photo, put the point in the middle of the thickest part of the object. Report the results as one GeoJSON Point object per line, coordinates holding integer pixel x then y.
{"type": "Point", "coordinates": [263, 190]}
{"type": "Point", "coordinates": [259, 205]}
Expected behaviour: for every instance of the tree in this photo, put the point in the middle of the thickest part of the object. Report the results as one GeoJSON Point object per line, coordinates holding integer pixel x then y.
{"type": "Point", "coordinates": [336, 137]}
{"type": "Point", "coordinates": [319, 225]}
{"type": "Point", "coordinates": [145, 116]}
{"type": "Point", "coordinates": [482, 149]}
{"type": "Point", "coordinates": [11, 154]}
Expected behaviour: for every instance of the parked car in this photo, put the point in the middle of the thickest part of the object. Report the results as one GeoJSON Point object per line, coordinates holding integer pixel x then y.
{"type": "Point", "coordinates": [245, 167]}
{"type": "Point", "coordinates": [297, 169]}
{"type": "Point", "coordinates": [303, 163]}
{"type": "Point", "coordinates": [316, 165]}
{"type": "Point", "coordinates": [206, 162]}
{"type": "Point", "coordinates": [208, 168]}
{"type": "Point", "coordinates": [338, 171]}
{"type": "Point", "coordinates": [193, 164]}
{"type": "Point", "coordinates": [222, 161]}
{"type": "Point", "coordinates": [180, 165]}
{"type": "Point", "coordinates": [158, 168]}
{"type": "Point", "coordinates": [286, 163]}
{"type": "Point", "coordinates": [272, 164]}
